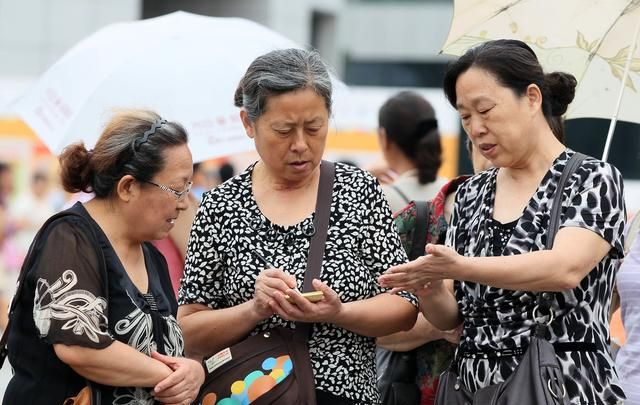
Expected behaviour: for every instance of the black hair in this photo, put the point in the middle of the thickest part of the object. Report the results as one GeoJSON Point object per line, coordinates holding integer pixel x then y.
{"type": "Point", "coordinates": [515, 65]}
{"type": "Point", "coordinates": [410, 123]}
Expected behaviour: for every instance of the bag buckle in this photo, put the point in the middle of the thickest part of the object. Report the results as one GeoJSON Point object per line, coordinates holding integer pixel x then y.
{"type": "Point", "coordinates": [553, 393]}
{"type": "Point", "coordinates": [539, 318]}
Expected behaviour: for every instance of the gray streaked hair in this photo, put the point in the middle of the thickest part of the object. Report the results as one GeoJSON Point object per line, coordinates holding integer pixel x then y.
{"type": "Point", "coordinates": [278, 72]}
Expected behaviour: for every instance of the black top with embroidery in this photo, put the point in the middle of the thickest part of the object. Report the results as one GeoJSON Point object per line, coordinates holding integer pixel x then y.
{"type": "Point", "coordinates": [361, 244]}
{"type": "Point", "coordinates": [64, 300]}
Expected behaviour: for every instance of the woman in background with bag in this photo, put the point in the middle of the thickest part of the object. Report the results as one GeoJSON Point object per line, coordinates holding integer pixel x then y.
{"type": "Point", "coordinates": [499, 230]}
{"type": "Point", "coordinates": [251, 238]}
{"type": "Point", "coordinates": [96, 306]}
{"type": "Point", "coordinates": [432, 349]}
{"type": "Point", "coordinates": [410, 142]}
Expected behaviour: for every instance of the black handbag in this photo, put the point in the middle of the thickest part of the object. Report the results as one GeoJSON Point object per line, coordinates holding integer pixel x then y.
{"type": "Point", "coordinates": [538, 378]}
{"type": "Point", "coordinates": [273, 367]}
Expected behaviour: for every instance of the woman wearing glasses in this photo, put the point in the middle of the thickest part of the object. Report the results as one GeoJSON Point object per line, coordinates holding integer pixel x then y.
{"type": "Point", "coordinates": [96, 304]}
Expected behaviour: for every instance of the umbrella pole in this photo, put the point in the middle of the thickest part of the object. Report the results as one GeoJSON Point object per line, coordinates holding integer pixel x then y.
{"type": "Point", "coordinates": [614, 120]}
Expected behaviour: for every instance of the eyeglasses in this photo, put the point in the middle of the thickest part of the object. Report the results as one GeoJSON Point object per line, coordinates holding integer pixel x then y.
{"type": "Point", "coordinates": [180, 195]}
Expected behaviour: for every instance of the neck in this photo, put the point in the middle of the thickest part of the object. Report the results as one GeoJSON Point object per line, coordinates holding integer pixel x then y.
{"type": "Point", "coordinates": [537, 159]}
{"type": "Point", "coordinates": [263, 175]}
{"type": "Point", "coordinates": [398, 161]}
{"type": "Point", "coordinates": [108, 215]}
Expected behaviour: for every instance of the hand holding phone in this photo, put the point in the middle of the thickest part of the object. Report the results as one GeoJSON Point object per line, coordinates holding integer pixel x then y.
{"type": "Point", "coordinates": [313, 296]}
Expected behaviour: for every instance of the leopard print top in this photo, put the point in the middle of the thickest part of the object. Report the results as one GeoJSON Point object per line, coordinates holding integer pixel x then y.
{"type": "Point", "coordinates": [496, 318]}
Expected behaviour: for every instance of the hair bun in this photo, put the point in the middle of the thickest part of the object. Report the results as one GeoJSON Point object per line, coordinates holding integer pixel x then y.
{"type": "Point", "coordinates": [238, 98]}
{"type": "Point", "coordinates": [562, 90]}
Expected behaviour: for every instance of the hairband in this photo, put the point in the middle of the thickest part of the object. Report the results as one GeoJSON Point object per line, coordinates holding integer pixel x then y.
{"type": "Point", "coordinates": [425, 126]}
{"type": "Point", "coordinates": [145, 137]}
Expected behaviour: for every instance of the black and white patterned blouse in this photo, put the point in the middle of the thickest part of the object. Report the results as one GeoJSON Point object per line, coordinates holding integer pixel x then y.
{"type": "Point", "coordinates": [361, 244]}
{"type": "Point", "coordinates": [67, 300]}
{"type": "Point", "coordinates": [497, 318]}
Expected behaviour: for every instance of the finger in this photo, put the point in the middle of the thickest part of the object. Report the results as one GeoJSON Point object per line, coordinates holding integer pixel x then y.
{"type": "Point", "coordinates": [284, 308]}
{"type": "Point", "coordinates": [278, 280]}
{"type": "Point", "coordinates": [328, 292]}
{"type": "Point", "coordinates": [168, 383]}
{"type": "Point", "coordinates": [168, 360]}
{"type": "Point", "coordinates": [395, 279]}
{"type": "Point", "coordinates": [297, 301]}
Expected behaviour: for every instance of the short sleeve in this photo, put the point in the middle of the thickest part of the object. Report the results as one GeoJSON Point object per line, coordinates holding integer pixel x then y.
{"type": "Point", "coordinates": [70, 305]}
{"type": "Point", "coordinates": [598, 205]}
{"type": "Point", "coordinates": [404, 223]}
{"type": "Point", "coordinates": [203, 280]}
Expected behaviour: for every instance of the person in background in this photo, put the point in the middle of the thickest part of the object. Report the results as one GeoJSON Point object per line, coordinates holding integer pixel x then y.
{"type": "Point", "coordinates": [410, 142]}
{"type": "Point", "coordinates": [629, 291]}
{"type": "Point", "coordinates": [6, 188]}
{"type": "Point", "coordinates": [496, 240]}
{"type": "Point", "coordinates": [30, 210]}
{"type": "Point", "coordinates": [228, 293]}
{"type": "Point", "coordinates": [434, 348]}
{"type": "Point", "coordinates": [96, 304]}
{"type": "Point", "coordinates": [226, 171]}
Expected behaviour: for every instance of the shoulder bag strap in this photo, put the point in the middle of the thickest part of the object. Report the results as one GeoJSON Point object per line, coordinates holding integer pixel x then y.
{"type": "Point", "coordinates": [319, 239]}
{"type": "Point", "coordinates": [401, 193]}
{"type": "Point", "coordinates": [420, 229]}
{"type": "Point", "coordinates": [321, 225]}
{"type": "Point", "coordinates": [544, 298]}
{"type": "Point", "coordinates": [28, 262]}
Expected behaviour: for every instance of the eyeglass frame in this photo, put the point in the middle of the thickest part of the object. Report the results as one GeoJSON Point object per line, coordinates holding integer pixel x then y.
{"type": "Point", "coordinates": [180, 195]}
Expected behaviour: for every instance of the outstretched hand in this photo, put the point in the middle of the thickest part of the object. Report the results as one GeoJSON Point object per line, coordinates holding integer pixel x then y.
{"type": "Point", "coordinates": [425, 273]}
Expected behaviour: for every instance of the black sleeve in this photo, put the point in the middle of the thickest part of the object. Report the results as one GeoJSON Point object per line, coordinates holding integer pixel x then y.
{"type": "Point", "coordinates": [70, 305]}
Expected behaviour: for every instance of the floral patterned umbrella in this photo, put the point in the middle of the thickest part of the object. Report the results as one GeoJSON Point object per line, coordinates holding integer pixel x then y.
{"type": "Point", "coordinates": [595, 40]}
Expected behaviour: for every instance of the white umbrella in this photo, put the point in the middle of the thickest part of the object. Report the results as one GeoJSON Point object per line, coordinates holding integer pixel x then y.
{"type": "Point", "coordinates": [184, 66]}
{"type": "Point", "coordinates": [595, 40]}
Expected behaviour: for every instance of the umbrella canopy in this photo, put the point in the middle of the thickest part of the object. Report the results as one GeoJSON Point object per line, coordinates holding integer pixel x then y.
{"type": "Point", "coordinates": [592, 39]}
{"type": "Point", "coordinates": [184, 66]}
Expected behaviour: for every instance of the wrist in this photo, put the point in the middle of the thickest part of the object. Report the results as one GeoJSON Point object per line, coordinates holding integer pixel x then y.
{"type": "Point", "coordinates": [254, 313]}
{"type": "Point", "coordinates": [460, 268]}
{"type": "Point", "coordinates": [341, 318]}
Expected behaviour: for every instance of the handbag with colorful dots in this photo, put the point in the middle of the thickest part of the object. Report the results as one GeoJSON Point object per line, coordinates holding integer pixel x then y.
{"type": "Point", "coordinates": [268, 368]}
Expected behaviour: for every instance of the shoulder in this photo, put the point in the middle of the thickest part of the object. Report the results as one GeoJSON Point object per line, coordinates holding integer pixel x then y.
{"type": "Point", "coordinates": [72, 221]}
{"type": "Point", "coordinates": [476, 185]}
{"type": "Point", "coordinates": [593, 172]}
{"type": "Point", "coordinates": [346, 173]}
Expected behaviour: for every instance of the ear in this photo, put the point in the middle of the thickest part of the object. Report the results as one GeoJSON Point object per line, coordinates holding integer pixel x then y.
{"type": "Point", "coordinates": [246, 122]}
{"type": "Point", "coordinates": [534, 96]}
{"type": "Point", "coordinates": [382, 138]}
{"type": "Point", "coordinates": [127, 188]}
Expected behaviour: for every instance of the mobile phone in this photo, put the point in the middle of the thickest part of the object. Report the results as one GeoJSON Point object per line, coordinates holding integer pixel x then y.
{"type": "Point", "coordinates": [313, 296]}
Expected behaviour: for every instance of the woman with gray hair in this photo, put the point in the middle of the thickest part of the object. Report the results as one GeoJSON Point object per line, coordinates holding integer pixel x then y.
{"type": "Point", "coordinates": [265, 215]}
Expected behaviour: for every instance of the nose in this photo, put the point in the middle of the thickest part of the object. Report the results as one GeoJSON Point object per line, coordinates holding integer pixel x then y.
{"type": "Point", "coordinates": [299, 141]}
{"type": "Point", "coordinates": [476, 127]}
{"type": "Point", "coordinates": [183, 203]}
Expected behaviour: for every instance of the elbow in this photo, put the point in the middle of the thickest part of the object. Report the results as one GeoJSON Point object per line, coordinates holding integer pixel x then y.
{"type": "Point", "coordinates": [568, 282]}
{"type": "Point", "coordinates": [567, 279]}
{"type": "Point", "coordinates": [408, 321]}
